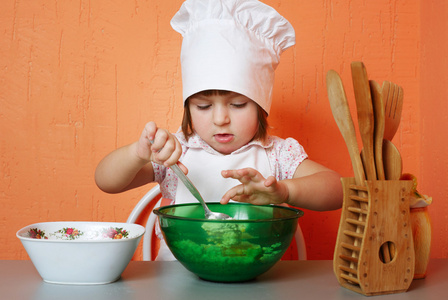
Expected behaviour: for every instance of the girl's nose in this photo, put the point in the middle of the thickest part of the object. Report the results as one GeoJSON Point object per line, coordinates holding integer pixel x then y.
{"type": "Point", "coordinates": [221, 116]}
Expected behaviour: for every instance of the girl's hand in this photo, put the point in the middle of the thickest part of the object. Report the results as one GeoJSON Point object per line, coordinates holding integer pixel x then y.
{"type": "Point", "coordinates": [158, 145]}
{"type": "Point", "coordinates": [254, 188]}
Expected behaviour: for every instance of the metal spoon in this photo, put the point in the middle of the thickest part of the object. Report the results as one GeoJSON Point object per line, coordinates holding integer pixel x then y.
{"type": "Point", "coordinates": [194, 191]}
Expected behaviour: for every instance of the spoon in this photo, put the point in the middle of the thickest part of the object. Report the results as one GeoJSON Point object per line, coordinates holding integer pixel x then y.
{"type": "Point", "coordinates": [194, 191]}
{"type": "Point", "coordinates": [341, 113]}
{"type": "Point", "coordinates": [392, 161]}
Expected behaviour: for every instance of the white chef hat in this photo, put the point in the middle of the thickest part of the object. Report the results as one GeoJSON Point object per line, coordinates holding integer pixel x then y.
{"type": "Point", "coordinates": [232, 45]}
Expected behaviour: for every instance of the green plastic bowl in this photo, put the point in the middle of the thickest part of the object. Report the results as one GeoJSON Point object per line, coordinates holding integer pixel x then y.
{"type": "Point", "coordinates": [228, 250]}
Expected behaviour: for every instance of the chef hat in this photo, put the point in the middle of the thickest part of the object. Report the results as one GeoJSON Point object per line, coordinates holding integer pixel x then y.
{"type": "Point", "coordinates": [232, 45]}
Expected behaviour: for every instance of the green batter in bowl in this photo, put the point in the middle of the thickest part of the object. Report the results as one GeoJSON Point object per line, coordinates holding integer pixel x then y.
{"type": "Point", "coordinates": [228, 250]}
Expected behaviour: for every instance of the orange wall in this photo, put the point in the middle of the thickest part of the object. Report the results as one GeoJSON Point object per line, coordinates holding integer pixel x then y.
{"type": "Point", "coordinates": [434, 117]}
{"type": "Point", "coordinates": [78, 79]}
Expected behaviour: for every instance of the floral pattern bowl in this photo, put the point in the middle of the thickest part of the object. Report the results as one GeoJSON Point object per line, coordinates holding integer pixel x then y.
{"type": "Point", "coordinates": [80, 252]}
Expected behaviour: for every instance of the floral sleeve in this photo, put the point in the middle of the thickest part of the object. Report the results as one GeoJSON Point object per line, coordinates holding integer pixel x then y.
{"type": "Point", "coordinates": [285, 156]}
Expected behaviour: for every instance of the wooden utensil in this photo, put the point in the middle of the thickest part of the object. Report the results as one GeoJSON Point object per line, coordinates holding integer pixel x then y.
{"type": "Point", "coordinates": [393, 165]}
{"type": "Point", "coordinates": [393, 168]}
{"type": "Point", "coordinates": [378, 109]}
{"type": "Point", "coordinates": [362, 230]}
{"type": "Point", "coordinates": [364, 108]}
{"type": "Point", "coordinates": [393, 106]}
{"type": "Point", "coordinates": [341, 113]}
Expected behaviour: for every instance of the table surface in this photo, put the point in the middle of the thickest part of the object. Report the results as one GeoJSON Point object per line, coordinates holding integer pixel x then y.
{"type": "Point", "coordinates": [170, 280]}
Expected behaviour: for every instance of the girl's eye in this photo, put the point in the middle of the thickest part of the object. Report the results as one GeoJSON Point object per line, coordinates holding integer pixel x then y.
{"type": "Point", "coordinates": [203, 107]}
{"type": "Point", "coordinates": [239, 105]}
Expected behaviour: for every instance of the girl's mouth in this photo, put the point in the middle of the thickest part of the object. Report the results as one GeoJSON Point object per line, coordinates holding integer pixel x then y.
{"type": "Point", "coordinates": [223, 138]}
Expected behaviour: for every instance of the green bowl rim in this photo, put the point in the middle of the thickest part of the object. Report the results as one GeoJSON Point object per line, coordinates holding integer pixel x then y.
{"type": "Point", "coordinates": [299, 213]}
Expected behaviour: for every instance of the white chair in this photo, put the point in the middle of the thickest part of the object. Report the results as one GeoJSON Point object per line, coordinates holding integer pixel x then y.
{"type": "Point", "coordinates": [141, 205]}
{"type": "Point", "coordinates": [154, 193]}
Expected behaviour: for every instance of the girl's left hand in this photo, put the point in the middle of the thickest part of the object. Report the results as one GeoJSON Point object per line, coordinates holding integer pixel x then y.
{"type": "Point", "coordinates": [254, 188]}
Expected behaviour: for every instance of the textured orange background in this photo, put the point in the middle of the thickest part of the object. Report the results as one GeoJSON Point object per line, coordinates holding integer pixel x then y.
{"type": "Point", "coordinates": [80, 78]}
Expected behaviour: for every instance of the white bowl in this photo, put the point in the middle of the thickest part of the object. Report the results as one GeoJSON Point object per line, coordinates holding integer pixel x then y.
{"type": "Point", "coordinates": [80, 252]}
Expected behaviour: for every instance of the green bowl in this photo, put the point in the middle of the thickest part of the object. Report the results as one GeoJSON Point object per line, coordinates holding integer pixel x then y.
{"type": "Point", "coordinates": [228, 250]}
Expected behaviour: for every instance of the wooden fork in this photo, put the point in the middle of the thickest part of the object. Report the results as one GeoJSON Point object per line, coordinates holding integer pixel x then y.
{"type": "Point", "coordinates": [393, 106]}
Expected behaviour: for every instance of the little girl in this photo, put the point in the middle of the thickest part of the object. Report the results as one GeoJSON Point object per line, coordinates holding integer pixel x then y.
{"type": "Point", "coordinates": [230, 50]}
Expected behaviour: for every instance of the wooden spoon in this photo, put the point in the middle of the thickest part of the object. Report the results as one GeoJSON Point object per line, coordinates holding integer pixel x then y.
{"type": "Point", "coordinates": [393, 165]}
{"type": "Point", "coordinates": [341, 113]}
{"type": "Point", "coordinates": [364, 108]}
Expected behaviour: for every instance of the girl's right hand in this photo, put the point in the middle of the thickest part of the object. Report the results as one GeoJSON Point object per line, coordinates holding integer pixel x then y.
{"type": "Point", "coordinates": [165, 149]}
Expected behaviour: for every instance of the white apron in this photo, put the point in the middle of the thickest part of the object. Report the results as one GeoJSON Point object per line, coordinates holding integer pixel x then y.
{"type": "Point", "coordinates": [204, 170]}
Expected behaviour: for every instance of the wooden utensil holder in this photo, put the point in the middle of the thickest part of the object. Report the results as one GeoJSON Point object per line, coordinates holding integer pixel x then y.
{"type": "Point", "coordinates": [373, 215]}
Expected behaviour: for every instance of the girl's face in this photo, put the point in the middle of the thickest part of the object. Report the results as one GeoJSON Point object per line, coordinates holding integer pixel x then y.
{"type": "Point", "coordinates": [225, 122]}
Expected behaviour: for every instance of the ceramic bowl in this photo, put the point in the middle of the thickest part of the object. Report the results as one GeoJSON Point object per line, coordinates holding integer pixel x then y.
{"type": "Point", "coordinates": [228, 250]}
{"type": "Point", "coordinates": [80, 252]}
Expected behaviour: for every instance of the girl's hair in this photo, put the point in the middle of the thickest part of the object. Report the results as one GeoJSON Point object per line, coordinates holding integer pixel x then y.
{"type": "Point", "coordinates": [187, 126]}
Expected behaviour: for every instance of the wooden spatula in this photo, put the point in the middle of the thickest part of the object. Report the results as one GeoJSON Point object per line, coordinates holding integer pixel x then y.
{"type": "Point", "coordinates": [378, 108]}
{"type": "Point", "coordinates": [364, 108]}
